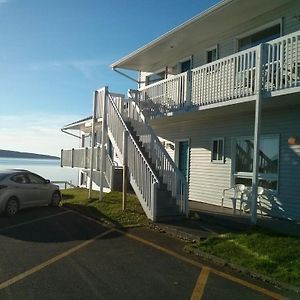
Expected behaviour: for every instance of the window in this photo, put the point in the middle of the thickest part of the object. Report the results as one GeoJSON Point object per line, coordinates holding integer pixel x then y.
{"type": "Point", "coordinates": [185, 65]}
{"type": "Point", "coordinates": [155, 77]}
{"type": "Point", "coordinates": [35, 179]}
{"type": "Point", "coordinates": [268, 161]}
{"type": "Point", "coordinates": [212, 54]}
{"type": "Point", "coordinates": [217, 153]}
{"type": "Point", "coordinates": [20, 178]}
{"type": "Point", "coordinates": [259, 37]}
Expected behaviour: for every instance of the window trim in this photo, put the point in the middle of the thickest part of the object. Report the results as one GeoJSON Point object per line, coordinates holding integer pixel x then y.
{"type": "Point", "coordinates": [256, 30]}
{"type": "Point", "coordinates": [217, 161]}
{"type": "Point", "coordinates": [210, 49]}
{"type": "Point", "coordinates": [248, 175]}
{"type": "Point", "coordinates": [184, 59]}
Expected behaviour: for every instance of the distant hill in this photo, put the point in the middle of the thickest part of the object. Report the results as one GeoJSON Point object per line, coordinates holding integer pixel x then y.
{"type": "Point", "coordinates": [16, 154]}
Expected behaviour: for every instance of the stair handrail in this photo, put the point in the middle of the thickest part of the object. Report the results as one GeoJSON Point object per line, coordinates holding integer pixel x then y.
{"type": "Point", "coordinates": [154, 136]}
{"type": "Point", "coordinates": [130, 135]}
{"type": "Point", "coordinates": [156, 140]}
{"type": "Point", "coordinates": [145, 182]}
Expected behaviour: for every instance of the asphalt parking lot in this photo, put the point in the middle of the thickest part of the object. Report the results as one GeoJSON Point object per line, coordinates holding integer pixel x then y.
{"type": "Point", "coordinates": [53, 253]}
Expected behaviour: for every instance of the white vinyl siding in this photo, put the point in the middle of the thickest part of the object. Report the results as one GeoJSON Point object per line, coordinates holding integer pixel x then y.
{"type": "Point", "coordinates": [207, 180]}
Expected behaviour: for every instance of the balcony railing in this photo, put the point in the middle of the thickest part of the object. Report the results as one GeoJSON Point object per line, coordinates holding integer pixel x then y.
{"type": "Point", "coordinates": [80, 158]}
{"type": "Point", "coordinates": [231, 78]}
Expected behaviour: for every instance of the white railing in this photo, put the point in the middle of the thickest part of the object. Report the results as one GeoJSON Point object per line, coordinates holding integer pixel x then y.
{"type": "Point", "coordinates": [230, 78]}
{"type": "Point", "coordinates": [282, 67]}
{"type": "Point", "coordinates": [143, 179]}
{"type": "Point", "coordinates": [171, 176]}
{"type": "Point", "coordinates": [166, 94]}
{"type": "Point", "coordinates": [80, 158]}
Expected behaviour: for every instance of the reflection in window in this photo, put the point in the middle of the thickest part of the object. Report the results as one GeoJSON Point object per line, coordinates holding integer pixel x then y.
{"type": "Point", "coordinates": [268, 161]}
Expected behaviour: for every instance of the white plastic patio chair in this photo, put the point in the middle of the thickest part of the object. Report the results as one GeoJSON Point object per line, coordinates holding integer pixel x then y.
{"type": "Point", "coordinates": [239, 192]}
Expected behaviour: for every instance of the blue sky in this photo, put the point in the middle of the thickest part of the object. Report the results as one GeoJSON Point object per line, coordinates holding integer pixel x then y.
{"type": "Point", "coordinates": [55, 53]}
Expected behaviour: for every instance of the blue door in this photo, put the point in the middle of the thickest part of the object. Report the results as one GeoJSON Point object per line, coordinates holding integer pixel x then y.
{"type": "Point", "coordinates": [183, 158]}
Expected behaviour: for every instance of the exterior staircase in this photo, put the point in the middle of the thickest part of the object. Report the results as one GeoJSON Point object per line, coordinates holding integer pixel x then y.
{"type": "Point", "coordinates": [153, 175]}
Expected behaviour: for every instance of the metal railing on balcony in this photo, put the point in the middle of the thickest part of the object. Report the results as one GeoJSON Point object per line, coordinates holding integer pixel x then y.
{"type": "Point", "coordinates": [230, 78]}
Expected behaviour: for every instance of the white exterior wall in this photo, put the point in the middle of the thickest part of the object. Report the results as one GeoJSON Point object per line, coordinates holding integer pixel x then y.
{"type": "Point", "coordinates": [207, 180]}
{"type": "Point", "coordinates": [227, 41]}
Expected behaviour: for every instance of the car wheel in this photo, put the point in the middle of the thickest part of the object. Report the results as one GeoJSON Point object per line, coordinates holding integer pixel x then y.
{"type": "Point", "coordinates": [12, 207]}
{"type": "Point", "coordinates": [55, 200]}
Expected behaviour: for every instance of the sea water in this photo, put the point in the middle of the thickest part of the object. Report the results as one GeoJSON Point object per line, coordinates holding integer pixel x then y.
{"type": "Point", "coordinates": [47, 168]}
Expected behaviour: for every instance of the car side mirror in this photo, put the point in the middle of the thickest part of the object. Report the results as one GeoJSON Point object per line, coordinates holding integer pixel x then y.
{"type": "Point", "coordinates": [47, 181]}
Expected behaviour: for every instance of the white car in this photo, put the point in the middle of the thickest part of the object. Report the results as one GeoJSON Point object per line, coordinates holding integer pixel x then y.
{"type": "Point", "coordinates": [21, 188]}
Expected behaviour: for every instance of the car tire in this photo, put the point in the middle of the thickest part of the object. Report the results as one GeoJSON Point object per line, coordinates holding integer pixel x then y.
{"type": "Point", "coordinates": [55, 199]}
{"type": "Point", "coordinates": [12, 207]}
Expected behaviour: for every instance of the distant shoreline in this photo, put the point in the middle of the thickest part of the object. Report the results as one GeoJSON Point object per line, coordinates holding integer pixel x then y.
{"type": "Point", "coordinates": [24, 155]}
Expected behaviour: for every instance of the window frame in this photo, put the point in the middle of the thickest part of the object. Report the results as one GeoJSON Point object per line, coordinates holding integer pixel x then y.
{"type": "Point", "coordinates": [155, 73]}
{"type": "Point", "coordinates": [183, 60]}
{"type": "Point", "coordinates": [249, 175]}
{"type": "Point", "coordinates": [256, 30]}
{"type": "Point", "coordinates": [217, 161]}
{"type": "Point", "coordinates": [215, 47]}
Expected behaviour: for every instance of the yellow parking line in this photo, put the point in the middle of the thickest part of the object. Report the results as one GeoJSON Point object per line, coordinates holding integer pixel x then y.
{"type": "Point", "coordinates": [34, 220]}
{"type": "Point", "coordinates": [252, 286]}
{"type": "Point", "coordinates": [200, 284]}
{"type": "Point", "coordinates": [193, 262]}
{"type": "Point", "coordinates": [46, 263]}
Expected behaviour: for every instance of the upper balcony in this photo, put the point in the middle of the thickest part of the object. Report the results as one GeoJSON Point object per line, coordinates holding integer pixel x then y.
{"type": "Point", "coordinates": [271, 68]}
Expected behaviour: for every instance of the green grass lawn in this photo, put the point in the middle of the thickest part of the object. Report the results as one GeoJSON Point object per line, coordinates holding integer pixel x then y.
{"type": "Point", "coordinates": [109, 208]}
{"type": "Point", "coordinates": [260, 251]}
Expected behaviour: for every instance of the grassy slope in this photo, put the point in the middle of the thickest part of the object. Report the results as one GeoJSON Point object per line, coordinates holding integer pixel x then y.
{"type": "Point", "coordinates": [260, 251]}
{"type": "Point", "coordinates": [110, 207]}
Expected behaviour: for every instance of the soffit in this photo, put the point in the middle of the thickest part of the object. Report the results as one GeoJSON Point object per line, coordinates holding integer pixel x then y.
{"type": "Point", "coordinates": [179, 41]}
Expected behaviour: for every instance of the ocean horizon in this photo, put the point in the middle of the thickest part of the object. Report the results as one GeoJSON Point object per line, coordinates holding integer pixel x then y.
{"type": "Point", "coordinates": [47, 168]}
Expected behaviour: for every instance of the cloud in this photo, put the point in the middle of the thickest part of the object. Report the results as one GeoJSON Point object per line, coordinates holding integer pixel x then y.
{"type": "Point", "coordinates": [38, 134]}
{"type": "Point", "coordinates": [87, 67]}
{"type": "Point", "coordinates": [3, 1]}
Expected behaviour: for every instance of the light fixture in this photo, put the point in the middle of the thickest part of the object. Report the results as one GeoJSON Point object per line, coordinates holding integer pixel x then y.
{"type": "Point", "coordinates": [293, 140]}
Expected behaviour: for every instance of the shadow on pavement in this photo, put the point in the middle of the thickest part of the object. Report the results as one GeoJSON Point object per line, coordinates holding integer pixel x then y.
{"type": "Point", "coordinates": [51, 225]}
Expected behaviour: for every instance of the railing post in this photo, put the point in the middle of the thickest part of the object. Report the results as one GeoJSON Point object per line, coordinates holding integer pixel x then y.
{"type": "Point", "coordinates": [154, 187]}
{"type": "Point", "coordinates": [258, 109]}
{"type": "Point", "coordinates": [103, 140]}
{"type": "Point", "coordinates": [61, 157]}
{"type": "Point", "coordinates": [125, 168]}
{"type": "Point", "coordinates": [85, 157]}
{"type": "Point", "coordinates": [188, 88]}
{"type": "Point", "coordinates": [72, 158]}
{"type": "Point", "coordinates": [93, 143]}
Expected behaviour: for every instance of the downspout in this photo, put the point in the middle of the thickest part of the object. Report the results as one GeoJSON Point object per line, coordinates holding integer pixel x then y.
{"type": "Point", "coordinates": [93, 144]}
{"type": "Point", "coordinates": [69, 133]}
{"type": "Point", "coordinates": [127, 76]}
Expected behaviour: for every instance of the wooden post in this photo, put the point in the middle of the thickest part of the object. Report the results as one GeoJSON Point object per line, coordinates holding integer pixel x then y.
{"type": "Point", "coordinates": [103, 94]}
{"type": "Point", "coordinates": [93, 144]}
{"type": "Point", "coordinates": [258, 108]}
{"type": "Point", "coordinates": [125, 168]}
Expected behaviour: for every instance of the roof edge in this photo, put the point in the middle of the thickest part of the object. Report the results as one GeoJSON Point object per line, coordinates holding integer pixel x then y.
{"type": "Point", "coordinates": [151, 44]}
